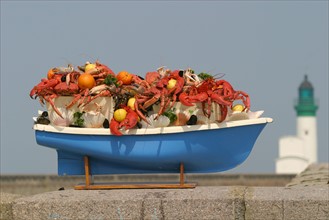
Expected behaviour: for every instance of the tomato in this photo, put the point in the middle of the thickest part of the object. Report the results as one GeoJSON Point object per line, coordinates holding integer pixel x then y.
{"type": "Point", "coordinates": [86, 81]}
{"type": "Point", "coordinates": [125, 77]}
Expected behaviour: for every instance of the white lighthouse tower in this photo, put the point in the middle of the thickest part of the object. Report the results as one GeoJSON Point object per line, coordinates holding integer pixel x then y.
{"type": "Point", "coordinates": [297, 152]}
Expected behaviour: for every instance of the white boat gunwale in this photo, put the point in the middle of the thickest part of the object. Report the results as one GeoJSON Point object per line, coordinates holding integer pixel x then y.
{"type": "Point", "coordinates": [148, 130]}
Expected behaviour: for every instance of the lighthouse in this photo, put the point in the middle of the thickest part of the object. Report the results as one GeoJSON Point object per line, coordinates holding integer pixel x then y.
{"type": "Point", "coordinates": [297, 152]}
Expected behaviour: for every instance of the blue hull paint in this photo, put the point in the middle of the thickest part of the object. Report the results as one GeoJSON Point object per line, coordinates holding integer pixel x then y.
{"type": "Point", "coordinates": [203, 151]}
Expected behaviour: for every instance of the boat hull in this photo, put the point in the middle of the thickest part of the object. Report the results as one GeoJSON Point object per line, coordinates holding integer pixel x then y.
{"type": "Point", "coordinates": [201, 151]}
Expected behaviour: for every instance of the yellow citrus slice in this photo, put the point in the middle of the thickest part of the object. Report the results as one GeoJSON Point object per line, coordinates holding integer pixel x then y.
{"type": "Point", "coordinates": [131, 103]}
{"type": "Point", "coordinates": [171, 83]}
{"type": "Point", "coordinates": [120, 114]}
{"type": "Point", "coordinates": [238, 108]}
{"type": "Point", "coordinates": [90, 66]}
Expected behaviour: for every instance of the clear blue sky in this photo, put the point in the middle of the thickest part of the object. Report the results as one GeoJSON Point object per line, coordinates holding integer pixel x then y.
{"type": "Point", "coordinates": [263, 47]}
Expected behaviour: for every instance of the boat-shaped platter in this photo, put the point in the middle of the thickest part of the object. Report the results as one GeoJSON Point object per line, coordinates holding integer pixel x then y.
{"type": "Point", "coordinates": [209, 148]}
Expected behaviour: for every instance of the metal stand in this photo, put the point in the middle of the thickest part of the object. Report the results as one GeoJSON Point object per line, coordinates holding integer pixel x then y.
{"type": "Point", "coordinates": [91, 186]}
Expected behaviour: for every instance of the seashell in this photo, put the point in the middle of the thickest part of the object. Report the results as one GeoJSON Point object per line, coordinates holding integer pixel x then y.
{"type": "Point", "coordinates": [235, 116]}
{"type": "Point", "coordinates": [191, 111]}
{"type": "Point", "coordinates": [35, 119]}
{"type": "Point", "coordinates": [254, 115]}
{"type": "Point", "coordinates": [55, 119]}
{"type": "Point", "coordinates": [181, 119]}
{"type": "Point", "coordinates": [93, 119]}
{"type": "Point", "coordinates": [203, 120]}
{"type": "Point", "coordinates": [144, 124]}
{"type": "Point", "coordinates": [161, 121]}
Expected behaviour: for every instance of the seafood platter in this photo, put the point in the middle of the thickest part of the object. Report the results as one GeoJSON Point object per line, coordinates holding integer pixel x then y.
{"type": "Point", "coordinates": [128, 124]}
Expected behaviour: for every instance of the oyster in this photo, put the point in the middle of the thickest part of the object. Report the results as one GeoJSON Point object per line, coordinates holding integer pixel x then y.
{"type": "Point", "coordinates": [235, 116]}
{"type": "Point", "coordinates": [55, 119]}
{"type": "Point", "coordinates": [161, 121]}
{"type": "Point", "coordinates": [93, 119]}
{"type": "Point", "coordinates": [202, 119]}
{"type": "Point", "coordinates": [254, 115]}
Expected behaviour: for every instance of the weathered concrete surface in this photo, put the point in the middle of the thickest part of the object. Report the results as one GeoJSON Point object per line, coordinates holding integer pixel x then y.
{"type": "Point", "coordinates": [199, 203]}
{"type": "Point", "coordinates": [287, 203]}
{"type": "Point", "coordinates": [35, 184]}
{"type": "Point", "coordinates": [6, 202]}
{"type": "Point", "coordinates": [295, 201]}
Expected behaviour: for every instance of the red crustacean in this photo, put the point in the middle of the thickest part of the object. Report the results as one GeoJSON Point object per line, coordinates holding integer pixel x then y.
{"type": "Point", "coordinates": [161, 87]}
{"type": "Point", "coordinates": [160, 90]}
{"type": "Point", "coordinates": [177, 75]}
{"type": "Point", "coordinates": [62, 83]}
{"type": "Point", "coordinates": [114, 127]}
{"type": "Point", "coordinates": [131, 119]}
{"type": "Point", "coordinates": [152, 77]}
{"type": "Point", "coordinates": [45, 91]}
{"type": "Point", "coordinates": [210, 90]}
{"type": "Point", "coordinates": [100, 72]}
{"type": "Point", "coordinates": [129, 122]}
{"type": "Point", "coordinates": [70, 86]}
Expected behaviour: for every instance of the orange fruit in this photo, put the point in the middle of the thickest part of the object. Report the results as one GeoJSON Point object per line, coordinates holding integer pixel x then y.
{"type": "Point", "coordinates": [125, 77]}
{"type": "Point", "coordinates": [86, 81]}
{"type": "Point", "coordinates": [50, 73]}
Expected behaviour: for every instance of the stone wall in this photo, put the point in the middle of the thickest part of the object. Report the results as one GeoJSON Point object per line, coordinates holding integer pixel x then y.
{"type": "Point", "coordinates": [296, 200]}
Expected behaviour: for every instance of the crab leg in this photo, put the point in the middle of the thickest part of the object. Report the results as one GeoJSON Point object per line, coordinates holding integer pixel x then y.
{"type": "Point", "coordinates": [50, 101]}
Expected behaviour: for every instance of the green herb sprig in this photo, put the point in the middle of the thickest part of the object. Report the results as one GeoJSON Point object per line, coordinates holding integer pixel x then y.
{"type": "Point", "coordinates": [205, 76]}
{"type": "Point", "coordinates": [78, 121]}
{"type": "Point", "coordinates": [171, 115]}
{"type": "Point", "coordinates": [111, 80]}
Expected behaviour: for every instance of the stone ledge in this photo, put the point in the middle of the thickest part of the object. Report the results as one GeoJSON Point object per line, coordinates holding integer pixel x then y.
{"type": "Point", "coordinates": [287, 203]}
{"type": "Point", "coordinates": [6, 204]}
{"type": "Point", "coordinates": [235, 202]}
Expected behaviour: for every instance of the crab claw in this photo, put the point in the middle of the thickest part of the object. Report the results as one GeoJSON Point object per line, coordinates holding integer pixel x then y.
{"type": "Point", "coordinates": [131, 119]}
{"type": "Point", "coordinates": [33, 93]}
{"type": "Point", "coordinates": [184, 99]}
{"type": "Point", "coordinates": [114, 127]}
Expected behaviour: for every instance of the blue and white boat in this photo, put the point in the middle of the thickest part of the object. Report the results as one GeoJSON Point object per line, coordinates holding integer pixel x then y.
{"type": "Point", "coordinates": [207, 148]}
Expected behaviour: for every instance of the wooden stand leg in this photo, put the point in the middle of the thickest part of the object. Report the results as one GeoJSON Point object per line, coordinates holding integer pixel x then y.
{"type": "Point", "coordinates": [87, 174]}
{"type": "Point", "coordinates": [181, 174]}
{"type": "Point", "coordinates": [91, 186]}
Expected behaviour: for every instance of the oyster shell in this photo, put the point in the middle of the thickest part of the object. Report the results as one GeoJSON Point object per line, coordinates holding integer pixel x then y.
{"type": "Point", "coordinates": [55, 119]}
{"type": "Point", "coordinates": [235, 116]}
{"type": "Point", "coordinates": [254, 115]}
{"type": "Point", "coordinates": [161, 121]}
{"type": "Point", "coordinates": [93, 119]}
{"type": "Point", "coordinates": [181, 119]}
{"type": "Point", "coordinates": [202, 119]}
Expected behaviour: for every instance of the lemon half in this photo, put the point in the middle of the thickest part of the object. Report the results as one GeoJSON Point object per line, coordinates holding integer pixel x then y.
{"type": "Point", "coordinates": [238, 108]}
{"type": "Point", "coordinates": [120, 114]}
